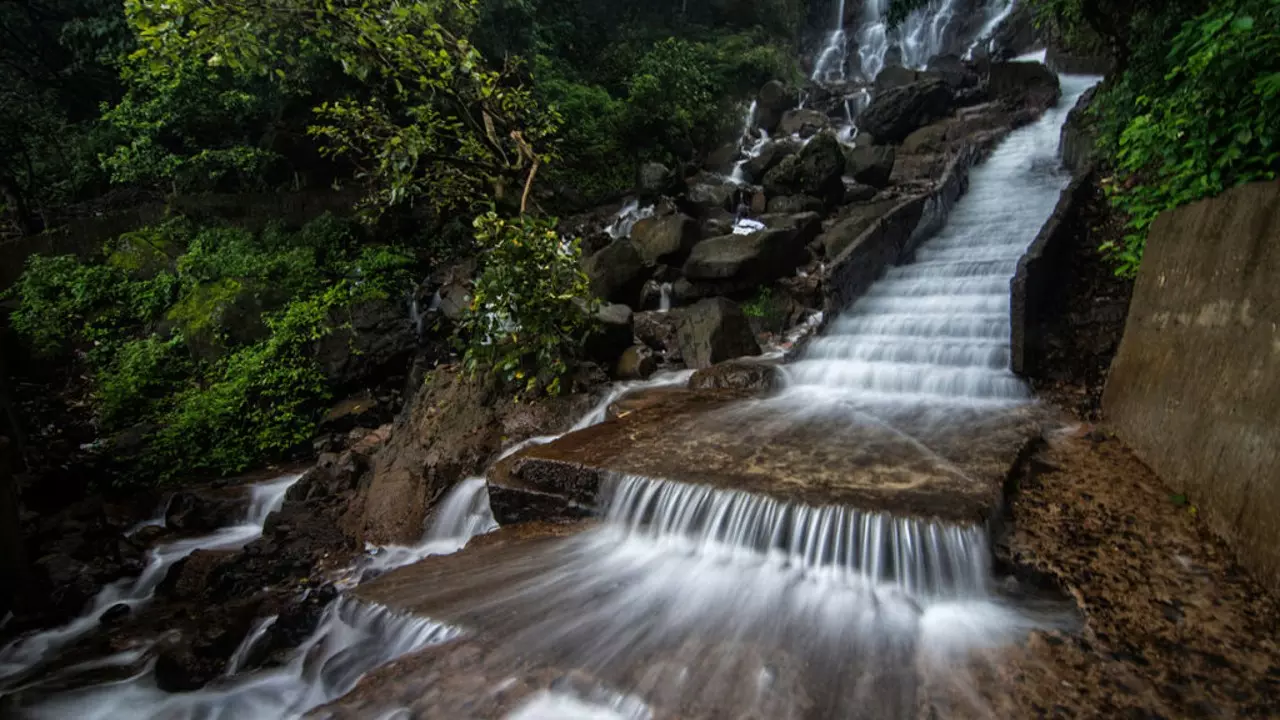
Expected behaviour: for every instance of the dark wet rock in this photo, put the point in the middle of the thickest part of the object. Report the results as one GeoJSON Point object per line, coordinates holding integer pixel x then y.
{"type": "Point", "coordinates": [455, 291]}
{"type": "Point", "coordinates": [928, 139]}
{"type": "Point", "coordinates": [770, 155]}
{"type": "Point", "coordinates": [203, 512]}
{"type": "Point", "coordinates": [895, 77]}
{"type": "Point", "coordinates": [369, 339]}
{"type": "Point", "coordinates": [745, 261]}
{"type": "Point", "coordinates": [656, 179]}
{"type": "Point", "coordinates": [773, 100]}
{"type": "Point", "coordinates": [806, 225]}
{"type": "Point", "coordinates": [787, 204]}
{"type": "Point", "coordinates": [617, 273]}
{"type": "Point", "coordinates": [854, 221]}
{"type": "Point", "coordinates": [362, 410]}
{"type": "Point", "coordinates": [1026, 84]}
{"type": "Point", "coordinates": [67, 583]}
{"type": "Point", "coordinates": [189, 578]}
{"type": "Point", "coordinates": [636, 363]}
{"type": "Point", "coordinates": [737, 375]}
{"type": "Point", "coordinates": [657, 330]}
{"type": "Point", "coordinates": [613, 333]}
{"type": "Point", "coordinates": [1017, 34]}
{"type": "Point", "coordinates": [895, 114]}
{"type": "Point", "coordinates": [953, 71]}
{"type": "Point", "coordinates": [816, 170]}
{"type": "Point", "coordinates": [452, 429]}
{"type": "Point", "coordinates": [665, 239]}
{"type": "Point", "coordinates": [856, 192]}
{"type": "Point", "coordinates": [803, 122]}
{"type": "Point", "coordinates": [712, 195]}
{"type": "Point", "coordinates": [870, 165]}
{"type": "Point", "coordinates": [721, 159]}
{"type": "Point", "coordinates": [115, 614]}
{"type": "Point", "coordinates": [1079, 135]}
{"type": "Point", "coordinates": [1067, 62]}
{"type": "Point", "coordinates": [714, 330]}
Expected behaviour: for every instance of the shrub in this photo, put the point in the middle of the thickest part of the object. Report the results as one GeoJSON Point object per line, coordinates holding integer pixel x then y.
{"type": "Point", "coordinates": [530, 311]}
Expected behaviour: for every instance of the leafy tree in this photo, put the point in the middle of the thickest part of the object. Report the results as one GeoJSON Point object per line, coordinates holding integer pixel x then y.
{"type": "Point", "coordinates": [527, 319]}
{"type": "Point", "coordinates": [1209, 122]}
{"type": "Point", "coordinates": [429, 121]}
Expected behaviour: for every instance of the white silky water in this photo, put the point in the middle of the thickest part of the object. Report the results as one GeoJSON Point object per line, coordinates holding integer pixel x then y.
{"type": "Point", "coordinates": [351, 639]}
{"type": "Point", "coordinates": [936, 330]}
{"type": "Point", "coordinates": [31, 651]}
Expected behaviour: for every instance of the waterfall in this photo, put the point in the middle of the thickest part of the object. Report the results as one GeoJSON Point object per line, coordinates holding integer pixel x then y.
{"type": "Point", "coordinates": [936, 330]}
{"type": "Point", "coordinates": [921, 36]}
{"type": "Point", "coordinates": [29, 652]}
{"type": "Point", "coordinates": [830, 65]}
{"type": "Point", "coordinates": [995, 12]}
{"type": "Point", "coordinates": [921, 557]}
{"type": "Point", "coordinates": [626, 219]}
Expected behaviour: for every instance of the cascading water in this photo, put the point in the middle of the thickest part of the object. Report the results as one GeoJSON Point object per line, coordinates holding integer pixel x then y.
{"type": "Point", "coordinates": [937, 330]}
{"type": "Point", "coordinates": [925, 33]}
{"type": "Point", "coordinates": [830, 65]}
{"type": "Point", "coordinates": [27, 653]}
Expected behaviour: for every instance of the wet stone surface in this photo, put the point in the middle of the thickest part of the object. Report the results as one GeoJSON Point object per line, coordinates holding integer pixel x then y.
{"type": "Point", "coordinates": [912, 464]}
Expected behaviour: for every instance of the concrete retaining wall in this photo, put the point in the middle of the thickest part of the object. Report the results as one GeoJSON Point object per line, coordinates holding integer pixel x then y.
{"type": "Point", "coordinates": [1038, 285]}
{"type": "Point", "coordinates": [1195, 388]}
{"type": "Point", "coordinates": [894, 237]}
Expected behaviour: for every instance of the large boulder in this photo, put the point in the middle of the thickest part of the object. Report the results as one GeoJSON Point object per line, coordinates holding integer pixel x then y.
{"type": "Point", "coordinates": [770, 155]}
{"type": "Point", "coordinates": [953, 71]}
{"type": "Point", "coordinates": [803, 122]}
{"type": "Point", "coordinates": [665, 239]}
{"type": "Point", "coordinates": [710, 195]}
{"type": "Point", "coordinates": [895, 114]}
{"type": "Point", "coordinates": [737, 375]}
{"type": "Point", "coordinates": [816, 170]}
{"type": "Point", "coordinates": [657, 330]}
{"type": "Point", "coordinates": [856, 220]}
{"type": "Point", "coordinates": [452, 430]}
{"type": "Point", "coordinates": [371, 339]}
{"type": "Point", "coordinates": [870, 165]}
{"type": "Point", "coordinates": [613, 333]}
{"type": "Point", "coordinates": [806, 225]}
{"type": "Point", "coordinates": [737, 262]}
{"type": "Point", "coordinates": [617, 272]}
{"type": "Point", "coordinates": [773, 100]}
{"type": "Point", "coordinates": [656, 180]}
{"type": "Point", "coordinates": [714, 330]}
{"type": "Point", "coordinates": [1025, 84]}
{"type": "Point", "coordinates": [894, 77]}
{"type": "Point", "coordinates": [790, 204]}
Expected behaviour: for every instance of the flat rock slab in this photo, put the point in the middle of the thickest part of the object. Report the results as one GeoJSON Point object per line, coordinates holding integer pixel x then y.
{"type": "Point", "coordinates": [925, 462]}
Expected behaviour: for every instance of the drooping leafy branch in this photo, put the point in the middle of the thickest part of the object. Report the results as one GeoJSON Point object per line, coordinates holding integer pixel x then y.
{"type": "Point", "coordinates": [427, 119]}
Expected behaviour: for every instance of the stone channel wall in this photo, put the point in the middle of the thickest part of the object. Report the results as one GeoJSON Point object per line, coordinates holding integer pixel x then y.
{"type": "Point", "coordinates": [894, 237]}
{"type": "Point", "coordinates": [1038, 285]}
{"type": "Point", "coordinates": [1195, 388]}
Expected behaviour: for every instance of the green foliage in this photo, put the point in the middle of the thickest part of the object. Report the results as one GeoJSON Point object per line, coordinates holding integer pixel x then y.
{"type": "Point", "coordinates": [758, 306]}
{"type": "Point", "coordinates": [531, 310]}
{"type": "Point", "coordinates": [215, 344]}
{"type": "Point", "coordinates": [1207, 120]}
{"type": "Point", "coordinates": [426, 119]}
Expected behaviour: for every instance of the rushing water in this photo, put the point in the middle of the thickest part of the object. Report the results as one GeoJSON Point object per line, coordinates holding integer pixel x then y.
{"type": "Point", "coordinates": [27, 653]}
{"type": "Point", "coordinates": [937, 329]}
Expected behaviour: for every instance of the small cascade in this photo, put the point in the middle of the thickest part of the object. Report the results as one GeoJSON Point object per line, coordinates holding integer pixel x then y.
{"type": "Point", "coordinates": [925, 33]}
{"type": "Point", "coordinates": [920, 557]}
{"type": "Point", "coordinates": [664, 297]}
{"type": "Point", "coordinates": [250, 641]}
{"type": "Point", "coordinates": [751, 143]}
{"type": "Point", "coordinates": [830, 65]}
{"type": "Point", "coordinates": [29, 652]}
{"type": "Point", "coordinates": [626, 219]}
{"type": "Point", "coordinates": [995, 12]}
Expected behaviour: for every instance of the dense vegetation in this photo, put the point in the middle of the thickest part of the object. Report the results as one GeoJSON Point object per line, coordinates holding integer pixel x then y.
{"type": "Point", "coordinates": [460, 126]}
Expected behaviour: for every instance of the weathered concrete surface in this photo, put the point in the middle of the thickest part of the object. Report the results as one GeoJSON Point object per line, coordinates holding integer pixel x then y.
{"type": "Point", "coordinates": [1195, 389]}
{"type": "Point", "coordinates": [948, 470]}
{"type": "Point", "coordinates": [1040, 279]}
